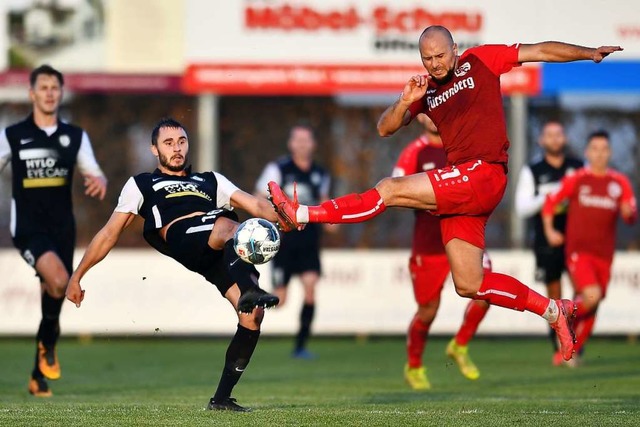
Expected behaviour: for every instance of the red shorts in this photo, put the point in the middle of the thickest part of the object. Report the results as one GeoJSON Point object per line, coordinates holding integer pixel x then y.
{"type": "Point", "coordinates": [466, 195]}
{"type": "Point", "coordinates": [588, 270]}
{"type": "Point", "coordinates": [428, 273]}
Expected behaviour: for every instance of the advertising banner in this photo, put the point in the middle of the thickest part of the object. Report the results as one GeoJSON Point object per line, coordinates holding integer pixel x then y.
{"type": "Point", "coordinates": [141, 292]}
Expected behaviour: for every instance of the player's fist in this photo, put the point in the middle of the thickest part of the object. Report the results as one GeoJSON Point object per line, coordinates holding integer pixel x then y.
{"type": "Point", "coordinates": [415, 88]}
{"type": "Point", "coordinates": [554, 237]}
{"type": "Point", "coordinates": [604, 51]}
{"type": "Point", "coordinates": [74, 293]}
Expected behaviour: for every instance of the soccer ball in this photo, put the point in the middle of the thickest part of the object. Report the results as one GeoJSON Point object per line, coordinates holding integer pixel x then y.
{"type": "Point", "coordinates": [256, 241]}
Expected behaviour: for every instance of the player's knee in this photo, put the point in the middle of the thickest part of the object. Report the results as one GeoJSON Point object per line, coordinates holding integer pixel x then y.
{"type": "Point", "coordinates": [467, 288]}
{"type": "Point", "coordinates": [427, 313]}
{"type": "Point", "coordinates": [385, 188]}
{"type": "Point", "coordinates": [57, 286]}
{"type": "Point", "coordinates": [591, 297]}
{"type": "Point", "coordinates": [223, 230]}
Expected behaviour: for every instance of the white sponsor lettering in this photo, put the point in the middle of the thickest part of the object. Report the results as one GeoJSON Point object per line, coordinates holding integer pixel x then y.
{"type": "Point", "coordinates": [435, 101]}
{"type": "Point", "coordinates": [602, 202]}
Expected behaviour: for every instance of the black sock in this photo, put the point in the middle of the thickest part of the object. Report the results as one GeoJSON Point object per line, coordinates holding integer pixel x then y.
{"type": "Point", "coordinates": [553, 338]}
{"type": "Point", "coordinates": [306, 318]}
{"type": "Point", "coordinates": [49, 329]}
{"type": "Point", "coordinates": [238, 355]}
{"type": "Point", "coordinates": [242, 273]}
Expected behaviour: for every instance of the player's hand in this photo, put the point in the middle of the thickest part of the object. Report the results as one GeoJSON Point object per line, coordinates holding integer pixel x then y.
{"type": "Point", "coordinates": [628, 212]}
{"type": "Point", "coordinates": [415, 88]}
{"type": "Point", "coordinates": [554, 237]}
{"type": "Point", "coordinates": [74, 293]}
{"type": "Point", "coordinates": [95, 186]}
{"type": "Point", "coordinates": [604, 51]}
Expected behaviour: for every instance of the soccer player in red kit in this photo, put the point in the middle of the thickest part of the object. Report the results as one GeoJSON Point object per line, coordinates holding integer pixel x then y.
{"type": "Point", "coordinates": [461, 94]}
{"type": "Point", "coordinates": [597, 195]}
{"type": "Point", "coordinates": [429, 268]}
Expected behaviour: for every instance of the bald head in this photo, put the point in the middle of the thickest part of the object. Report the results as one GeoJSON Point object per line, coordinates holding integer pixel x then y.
{"type": "Point", "coordinates": [439, 53]}
{"type": "Point", "coordinates": [437, 31]}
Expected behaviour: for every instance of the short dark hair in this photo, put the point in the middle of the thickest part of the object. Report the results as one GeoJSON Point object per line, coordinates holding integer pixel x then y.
{"type": "Point", "coordinates": [47, 70]}
{"type": "Point", "coordinates": [303, 125]}
{"type": "Point", "coordinates": [600, 133]}
{"type": "Point", "coordinates": [166, 122]}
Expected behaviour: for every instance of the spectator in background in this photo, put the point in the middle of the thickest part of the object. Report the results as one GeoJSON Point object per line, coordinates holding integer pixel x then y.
{"type": "Point", "coordinates": [299, 251]}
{"type": "Point", "coordinates": [597, 195]}
{"type": "Point", "coordinates": [43, 151]}
{"type": "Point", "coordinates": [537, 180]}
{"type": "Point", "coordinates": [429, 268]}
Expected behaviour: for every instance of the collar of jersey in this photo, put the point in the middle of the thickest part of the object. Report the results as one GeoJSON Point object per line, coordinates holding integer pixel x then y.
{"type": "Point", "coordinates": [187, 170]}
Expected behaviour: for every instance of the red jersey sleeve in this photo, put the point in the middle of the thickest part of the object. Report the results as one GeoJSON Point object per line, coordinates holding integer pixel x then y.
{"type": "Point", "coordinates": [499, 58]}
{"type": "Point", "coordinates": [567, 187]}
{"type": "Point", "coordinates": [628, 197]}
{"type": "Point", "coordinates": [408, 160]}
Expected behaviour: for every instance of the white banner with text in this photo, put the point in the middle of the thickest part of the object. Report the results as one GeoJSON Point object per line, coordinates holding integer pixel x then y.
{"type": "Point", "coordinates": [140, 292]}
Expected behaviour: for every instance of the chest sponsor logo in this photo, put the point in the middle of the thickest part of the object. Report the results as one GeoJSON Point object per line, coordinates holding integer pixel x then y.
{"type": "Point", "coordinates": [42, 169]}
{"type": "Point", "coordinates": [64, 140]}
{"type": "Point", "coordinates": [436, 100]}
{"type": "Point", "coordinates": [181, 189]}
{"type": "Point", "coordinates": [587, 199]}
{"type": "Point", "coordinates": [463, 69]}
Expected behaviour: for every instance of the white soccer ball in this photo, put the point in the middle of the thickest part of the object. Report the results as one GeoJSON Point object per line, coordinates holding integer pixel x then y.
{"type": "Point", "coordinates": [256, 241]}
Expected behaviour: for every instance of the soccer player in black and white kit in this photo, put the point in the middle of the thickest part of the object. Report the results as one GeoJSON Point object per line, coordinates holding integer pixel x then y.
{"type": "Point", "coordinates": [300, 251]}
{"type": "Point", "coordinates": [536, 181]}
{"type": "Point", "coordinates": [43, 151]}
{"type": "Point", "coordinates": [188, 216]}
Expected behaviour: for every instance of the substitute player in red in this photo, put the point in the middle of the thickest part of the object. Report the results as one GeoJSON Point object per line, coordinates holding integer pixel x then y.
{"type": "Point", "coordinates": [429, 268]}
{"type": "Point", "coordinates": [596, 195]}
{"type": "Point", "coordinates": [461, 94]}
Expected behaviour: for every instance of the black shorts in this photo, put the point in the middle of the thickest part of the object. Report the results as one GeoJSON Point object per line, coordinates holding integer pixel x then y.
{"type": "Point", "coordinates": [549, 263]}
{"type": "Point", "coordinates": [61, 240]}
{"type": "Point", "coordinates": [188, 241]}
{"type": "Point", "coordinates": [299, 253]}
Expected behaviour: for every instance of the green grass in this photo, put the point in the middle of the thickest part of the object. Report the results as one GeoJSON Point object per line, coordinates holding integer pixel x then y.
{"type": "Point", "coordinates": [167, 382]}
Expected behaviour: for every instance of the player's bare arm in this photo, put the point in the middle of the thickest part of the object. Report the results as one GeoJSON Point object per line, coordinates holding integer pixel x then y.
{"type": "Point", "coordinates": [255, 206]}
{"type": "Point", "coordinates": [95, 186]}
{"type": "Point", "coordinates": [100, 246]}
{"type": "Point", "coordinates": [397, 115]}
{"type": "Point", "coordinates": [554, 237]}
{"type": "Point", "coordinates": [551, 51]}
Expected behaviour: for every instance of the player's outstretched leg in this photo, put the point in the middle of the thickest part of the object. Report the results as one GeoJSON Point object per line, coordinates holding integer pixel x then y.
{"type": "Point", "coordinates": [237, 358]}
{"type": "Point", "coordinates": [351, 208]}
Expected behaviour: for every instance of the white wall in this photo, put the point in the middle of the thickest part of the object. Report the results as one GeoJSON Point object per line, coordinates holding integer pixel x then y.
{"type": "Point", "coordinates": [362, 292]}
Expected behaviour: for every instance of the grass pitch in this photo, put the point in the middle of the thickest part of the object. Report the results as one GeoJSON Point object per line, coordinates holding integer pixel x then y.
{"type": "Point", "coordinates": [167, 382]}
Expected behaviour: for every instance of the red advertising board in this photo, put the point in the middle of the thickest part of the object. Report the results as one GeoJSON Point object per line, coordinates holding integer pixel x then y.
{"type": "Point", "coordinates": [313, 79]}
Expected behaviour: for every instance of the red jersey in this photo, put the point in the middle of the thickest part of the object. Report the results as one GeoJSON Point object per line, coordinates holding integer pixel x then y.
{"type": "Point", "coordinates": [468, 109]}
{"type": "Point", "coordinates": [422, 155]}
{"type": "Point", "coordinates": [594, 204]}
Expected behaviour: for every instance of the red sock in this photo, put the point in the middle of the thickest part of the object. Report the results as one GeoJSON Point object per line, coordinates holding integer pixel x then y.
{"type": "Point", "coordinates": [505, 291]}
{"type": "Point", "coordinates": [472, 317]}
{"type": "Point", "coordinates": [583, 328]}
{"type": "Point", "coordinates": [350, 208]}
{"type": "Point", "coordinates": [416, 341]}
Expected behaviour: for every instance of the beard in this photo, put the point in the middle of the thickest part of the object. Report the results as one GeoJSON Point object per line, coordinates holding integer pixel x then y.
{"type": "Point", "coordinates": [166, 163]}
{"type": "Point", "coordinates": [444, 80]}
